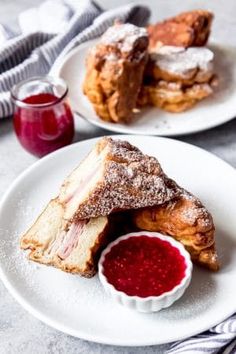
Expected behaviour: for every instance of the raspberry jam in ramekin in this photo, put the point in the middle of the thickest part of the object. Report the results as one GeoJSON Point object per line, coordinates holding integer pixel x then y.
{"type": "Point", "coordinates": [145, 266]}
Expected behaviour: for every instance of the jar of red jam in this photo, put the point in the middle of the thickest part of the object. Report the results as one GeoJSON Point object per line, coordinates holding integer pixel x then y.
{"type": "Point", "coordinates": [43, 120]}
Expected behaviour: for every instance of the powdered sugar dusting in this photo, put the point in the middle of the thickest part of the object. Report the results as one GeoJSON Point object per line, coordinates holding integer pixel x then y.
{"type": "Point", "coordinates": [123, 35]}
{"type": "Point", "coordinates": [15, 260]}
{"type": "Point", "coordinates": [169, 90]}
{"type": "Point", "coordinates": [131, 180]}
{"type": "Point", "coordinates": [178, 60]}
{"type": "Point", "coordinates": [112, 57]}
{"type": "Point", "coordinates": [196, 212]}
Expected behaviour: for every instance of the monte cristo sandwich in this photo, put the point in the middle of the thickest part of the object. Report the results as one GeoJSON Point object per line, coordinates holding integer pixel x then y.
{"type": "Point", "coordinates": [180, 69]}
{"type": "Point", "coordinates": [114, 72]}
{"type": "Point", "coordinates": [117, 185]}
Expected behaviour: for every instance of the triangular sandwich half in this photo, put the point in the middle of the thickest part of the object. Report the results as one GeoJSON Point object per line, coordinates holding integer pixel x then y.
{"type": "Point", "coordinates": [114, 176]}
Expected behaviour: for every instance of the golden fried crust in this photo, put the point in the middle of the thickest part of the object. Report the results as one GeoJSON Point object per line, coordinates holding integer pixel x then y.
{"type": "Point", "coordinates": [173, 97]}
{"type": "Point", "coordinates": [187, 29]}
{"type": "Point", "coordinates": [200, 21]}
{"type": "Point", "coordinates": [170, 33]}
{"type": "Point", "coordinates": [114, 77]}
{"type": "Point", "coordinates": [187, 220]}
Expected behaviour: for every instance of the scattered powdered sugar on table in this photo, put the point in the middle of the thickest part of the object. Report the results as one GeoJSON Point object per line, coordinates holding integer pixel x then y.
{"type": "Point", "coordinates": [178, 60]}
{"type": "Point", "coordinates": [123, 35]}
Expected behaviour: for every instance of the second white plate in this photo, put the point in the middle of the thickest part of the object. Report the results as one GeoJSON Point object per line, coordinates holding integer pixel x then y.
{"type": "Point", "coordinates": [209, 113]}
{"type": "Point", "coordinates": [79, 306]}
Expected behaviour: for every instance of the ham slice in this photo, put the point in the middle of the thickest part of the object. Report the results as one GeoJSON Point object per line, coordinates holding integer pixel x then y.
{"type": "Point", "coordinates": [71, 239]}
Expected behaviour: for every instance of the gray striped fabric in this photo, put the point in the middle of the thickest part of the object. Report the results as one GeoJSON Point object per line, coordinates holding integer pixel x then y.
{"type": "Point", "coordinates": [34, 54]}
{"type": "Point", "coordinates": [220, 339]}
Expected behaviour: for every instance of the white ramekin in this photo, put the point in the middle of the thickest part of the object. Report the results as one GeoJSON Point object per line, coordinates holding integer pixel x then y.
{"type": "Point", "coordinates": [151, 303]}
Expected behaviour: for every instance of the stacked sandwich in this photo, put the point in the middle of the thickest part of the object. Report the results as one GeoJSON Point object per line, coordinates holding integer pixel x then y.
{"type": "Point", "coordinates": [165, 65]}
{"type": "Point", "coordinates": [180, 69]}
{"type": "Point", "coordinates": [117, 188]}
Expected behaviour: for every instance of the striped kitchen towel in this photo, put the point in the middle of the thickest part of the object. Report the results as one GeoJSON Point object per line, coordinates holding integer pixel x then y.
{"type": "Point", "coordinates": [34, 53]}
{"type": "Point", "coordinates": [220, 339]}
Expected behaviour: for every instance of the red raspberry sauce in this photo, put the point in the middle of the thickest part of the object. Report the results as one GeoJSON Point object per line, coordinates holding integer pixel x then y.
{"type": "Point", "coordinates": [144, 266]}
{"type": "Point", "coordinates": [43, 130]}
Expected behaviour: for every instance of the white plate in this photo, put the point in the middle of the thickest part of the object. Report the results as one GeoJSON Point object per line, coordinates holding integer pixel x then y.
{"type": "Point", "coordinates": [79, 306]}
{"type": "Point", "coordinates": [209, 113]}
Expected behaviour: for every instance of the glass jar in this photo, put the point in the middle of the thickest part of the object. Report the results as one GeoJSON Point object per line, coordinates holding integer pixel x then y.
{"type": "Point", "coordinates": [43, 120]}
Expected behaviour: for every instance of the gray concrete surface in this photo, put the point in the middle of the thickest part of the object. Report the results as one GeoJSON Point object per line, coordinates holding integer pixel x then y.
{"type": "Point", "coordinates": [19, 331]}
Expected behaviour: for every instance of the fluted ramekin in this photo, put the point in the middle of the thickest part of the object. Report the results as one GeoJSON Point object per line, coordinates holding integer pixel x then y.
{"type": "Point", "coordinates": [150, 303]}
